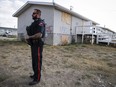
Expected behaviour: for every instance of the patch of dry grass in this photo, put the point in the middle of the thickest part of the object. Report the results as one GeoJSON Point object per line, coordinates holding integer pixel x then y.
{"type": "Point", "coordinates": [3, 77]}
{"type": "Point", "coordinates": [80, 65]}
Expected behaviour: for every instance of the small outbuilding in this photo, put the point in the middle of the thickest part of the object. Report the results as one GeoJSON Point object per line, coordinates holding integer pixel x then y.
{"type": "Point", "coordinates": [61, 23]}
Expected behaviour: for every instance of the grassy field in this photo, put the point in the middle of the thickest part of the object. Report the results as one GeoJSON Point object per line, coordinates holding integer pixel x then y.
{"type": "Point", "coordinates": [78, 65]}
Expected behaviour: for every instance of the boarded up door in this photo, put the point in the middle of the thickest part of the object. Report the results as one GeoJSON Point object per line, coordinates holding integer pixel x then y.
{"type": "Point", "coordinates": [64, 39]}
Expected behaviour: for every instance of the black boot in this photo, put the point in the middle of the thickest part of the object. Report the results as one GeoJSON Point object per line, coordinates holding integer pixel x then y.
{"type": "Point", "coordinates": [34, 82]}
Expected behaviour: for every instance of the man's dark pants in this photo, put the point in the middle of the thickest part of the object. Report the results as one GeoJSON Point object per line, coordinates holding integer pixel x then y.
{"type": "Point", "coordinates": [36, 51]}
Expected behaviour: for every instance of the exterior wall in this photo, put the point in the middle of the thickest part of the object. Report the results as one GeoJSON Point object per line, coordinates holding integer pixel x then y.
{"type": "Point", "coordinates": [65, 31]}
{"type": "Point", "coordinates": [2, 32]}
{"type": "Point", "coordinates": [13, 32]}
{"type": "Point", "coordinates": [86, 33]}
{"type": "Point", "coordinates": [25, 19]}
{"type": "Point", "coordinates": [86, 28]}
{"type": "Point", "coordinates": [61, 29]}
{"type": "Point", "coordinates": [75, 23]}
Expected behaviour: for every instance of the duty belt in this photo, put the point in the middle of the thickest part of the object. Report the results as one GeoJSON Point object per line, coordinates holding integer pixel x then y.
{"type": "Point", "coordinates": [34, 41]}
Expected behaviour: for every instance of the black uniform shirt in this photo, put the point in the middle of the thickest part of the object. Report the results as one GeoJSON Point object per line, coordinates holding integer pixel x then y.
{"type": "Point", "coordinates": [37, 26]}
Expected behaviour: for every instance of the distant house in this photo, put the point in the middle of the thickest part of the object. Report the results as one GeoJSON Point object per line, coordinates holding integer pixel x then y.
{"type": "Point", "coordinates": [86, 33]}
{"type": "Point", "coordinates": [89, 33]}
{"type": "Point", "coordinates": [63, 25]}
{"type": "Point", "coordinates": [5, 31]}
{"type": "Point", "coordinates": [105, 35]}
{"type": "Point", "coordinates": [104, 30]}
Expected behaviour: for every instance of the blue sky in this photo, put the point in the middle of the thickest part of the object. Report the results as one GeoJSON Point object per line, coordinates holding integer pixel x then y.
{"type": "Point", "coordinates": [100, 11]}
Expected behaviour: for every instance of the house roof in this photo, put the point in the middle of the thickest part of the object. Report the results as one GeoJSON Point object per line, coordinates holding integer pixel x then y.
{"type": "Point", "coordinates": [55, 5]}
{"type": "Point", "coordinates": [107, 29]}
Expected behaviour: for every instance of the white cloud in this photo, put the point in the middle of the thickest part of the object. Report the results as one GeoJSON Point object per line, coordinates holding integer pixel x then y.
{"type": "Point", "coordinates": [17, 4]}
{"type": "Point", "coordinates": [101, 11]}
{"type": "Point", "coordinates": [7, 8]}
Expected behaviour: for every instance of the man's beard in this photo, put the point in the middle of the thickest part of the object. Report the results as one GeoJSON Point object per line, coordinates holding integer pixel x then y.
{"type": "Point", "coordinates": [34, 17]}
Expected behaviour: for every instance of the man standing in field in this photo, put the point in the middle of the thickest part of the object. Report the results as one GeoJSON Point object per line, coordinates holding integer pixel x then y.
{"type": "Point", "coordinates": [36, 43]}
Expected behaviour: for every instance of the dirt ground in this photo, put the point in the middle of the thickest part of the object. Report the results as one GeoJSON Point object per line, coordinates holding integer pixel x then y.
{"type": "Point", "coordinates": [78, 65]}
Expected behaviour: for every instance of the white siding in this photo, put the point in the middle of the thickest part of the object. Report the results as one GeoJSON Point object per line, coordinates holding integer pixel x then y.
{"type": "Point", "coordinates": [25, 19]}
{"type": "Point", "coordinates": [61, 29]}
{"type": "Point", "coordinates": [75, 23]}
{"type": "Point", "coordinates": [59, 25]}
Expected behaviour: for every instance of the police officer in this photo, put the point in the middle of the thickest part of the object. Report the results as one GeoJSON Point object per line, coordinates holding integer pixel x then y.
{"type": "Point", "coordinates": [36, 46]}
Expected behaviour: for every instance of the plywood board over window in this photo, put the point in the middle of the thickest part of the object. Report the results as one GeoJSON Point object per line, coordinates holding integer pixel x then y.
{"type": "Point", "coordinates": [64, 39]}
{"type": "Point", "coordinates": [66, 18]}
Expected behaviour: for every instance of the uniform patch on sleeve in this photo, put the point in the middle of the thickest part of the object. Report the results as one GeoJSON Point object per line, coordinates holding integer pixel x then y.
{"type": "Point", "coordinates": [41, 24]}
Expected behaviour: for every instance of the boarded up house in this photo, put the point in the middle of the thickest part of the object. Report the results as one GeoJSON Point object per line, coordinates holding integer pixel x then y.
{"type": "Point", "coordinates": [62, 23]}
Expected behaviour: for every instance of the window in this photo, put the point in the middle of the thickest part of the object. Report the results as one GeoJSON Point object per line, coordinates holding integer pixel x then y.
{"type": "Point", "coordinates": [66, 18]}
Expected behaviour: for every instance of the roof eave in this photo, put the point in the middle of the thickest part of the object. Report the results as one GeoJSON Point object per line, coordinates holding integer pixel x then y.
{"type": "Point", "coordinates": [107, 29]}
{"type": "Point", "coordinates": [59, 7]}
{"type": "Point", "coordinates": [22, 9]}
{"type": "Point", "coordinates": [27, 5]}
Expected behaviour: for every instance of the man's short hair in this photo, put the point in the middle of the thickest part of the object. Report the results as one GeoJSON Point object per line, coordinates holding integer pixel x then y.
{"type": "Point", "coordinates": [38, 11]}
